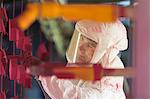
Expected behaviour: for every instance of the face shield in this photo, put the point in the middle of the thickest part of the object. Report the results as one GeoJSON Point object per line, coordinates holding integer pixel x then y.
{"type": "Point", "coordinates": [91, 41]}
{"type": "Point", "coordinates": [81, 48]}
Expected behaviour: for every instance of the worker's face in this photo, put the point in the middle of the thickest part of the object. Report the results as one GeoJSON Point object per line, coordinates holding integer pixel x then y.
{"type": "Point", "coordinates": [85, 50]}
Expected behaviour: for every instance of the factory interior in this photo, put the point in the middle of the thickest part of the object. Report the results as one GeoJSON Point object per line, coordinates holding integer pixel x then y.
{"type": "Point", "coordinates": [44, 53]}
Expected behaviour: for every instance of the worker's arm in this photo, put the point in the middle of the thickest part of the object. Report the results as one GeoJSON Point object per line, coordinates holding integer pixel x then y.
{"type": "Point", "coordinates": [106, 88]}
{"type": "Point", "coordinates": [65, 89]}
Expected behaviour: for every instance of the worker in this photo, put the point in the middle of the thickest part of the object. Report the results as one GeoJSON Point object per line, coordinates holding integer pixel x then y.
{"type": "Point", "coordinates": [92, 42]}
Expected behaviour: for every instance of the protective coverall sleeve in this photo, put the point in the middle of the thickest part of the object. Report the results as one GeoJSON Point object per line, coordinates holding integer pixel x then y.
{"type": "Point", "coordinates": [106, 88]}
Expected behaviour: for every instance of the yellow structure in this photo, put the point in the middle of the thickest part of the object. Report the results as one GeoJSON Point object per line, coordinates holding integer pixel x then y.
{"type": "Point", "coordinates": [72, 12]}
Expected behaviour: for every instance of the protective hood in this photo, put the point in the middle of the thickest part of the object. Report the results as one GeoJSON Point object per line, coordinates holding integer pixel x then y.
{"type": "Point", "coordinates": [110, 38]}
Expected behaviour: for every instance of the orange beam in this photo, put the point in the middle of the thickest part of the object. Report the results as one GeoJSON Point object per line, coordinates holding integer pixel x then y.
{"type": "Point", "coordinates": [79, 71]}
{"type": "Point", "coordinates": [72, 12]}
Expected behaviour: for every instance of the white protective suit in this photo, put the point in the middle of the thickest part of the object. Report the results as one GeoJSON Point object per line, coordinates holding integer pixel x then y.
{"type": "Point", "coordinates": [110, 38]}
